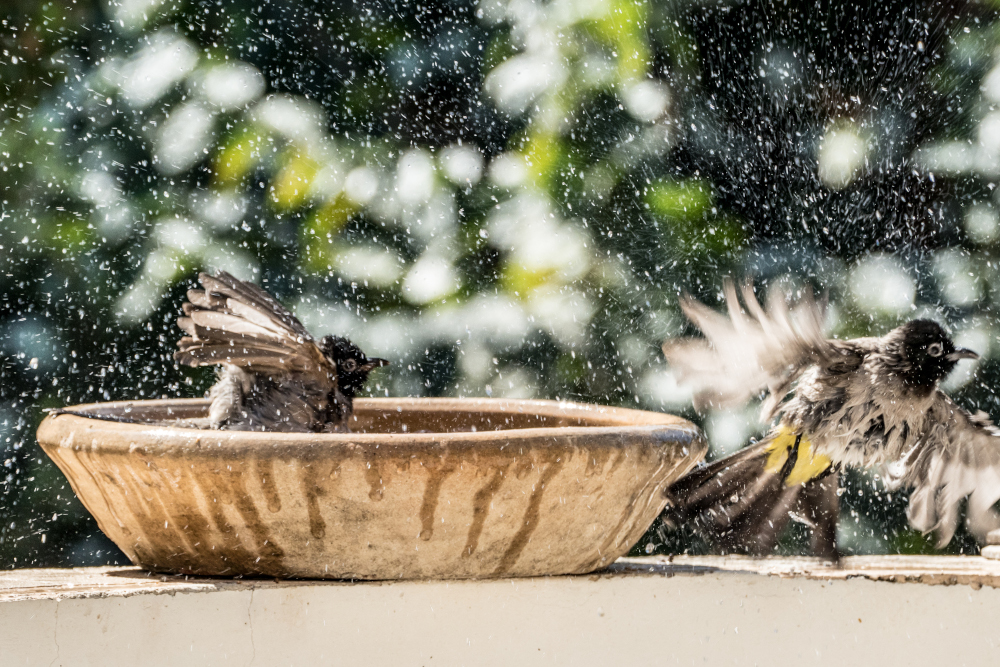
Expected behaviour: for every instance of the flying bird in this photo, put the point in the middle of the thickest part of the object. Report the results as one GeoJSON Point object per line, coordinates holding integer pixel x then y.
{"type": "Point", "coordinates": [864, 402]}
{"type": "Point", "coordinates": [275, 376]}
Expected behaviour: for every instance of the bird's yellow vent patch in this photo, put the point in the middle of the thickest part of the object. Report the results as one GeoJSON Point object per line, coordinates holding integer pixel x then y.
{"type": "Point", "coordinates": [807, 465]}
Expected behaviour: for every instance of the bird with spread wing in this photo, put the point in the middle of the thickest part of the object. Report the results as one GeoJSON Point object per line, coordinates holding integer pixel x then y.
{"type": "Point", "coordinates": [865, 402]}
{"type": "Point", "coordinates": [275, 376]}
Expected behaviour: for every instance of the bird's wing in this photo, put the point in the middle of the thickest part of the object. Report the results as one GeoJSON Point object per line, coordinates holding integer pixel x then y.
{"type": "Point", "coordinates": [958, 457]}
{"type": "Point", "coordinates": [234, 322]}
{"type": "Point", "coordinates": [749, 351]}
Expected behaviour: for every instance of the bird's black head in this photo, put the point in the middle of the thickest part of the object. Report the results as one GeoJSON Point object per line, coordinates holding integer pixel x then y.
{"type": "Point", "coordinates": [353, 366]}
{"type": "Point", "coordinates": [922, 353]}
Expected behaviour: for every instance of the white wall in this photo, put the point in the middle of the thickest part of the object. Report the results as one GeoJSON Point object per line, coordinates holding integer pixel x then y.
{"type": "Point", "coordinates": [635, 617]}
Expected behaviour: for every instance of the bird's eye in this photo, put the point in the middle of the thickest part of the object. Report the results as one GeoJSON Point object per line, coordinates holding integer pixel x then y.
{"type": "Point", "coordinates": [935, 349]}
{"type": "Point", "coordinates": [350, 365]}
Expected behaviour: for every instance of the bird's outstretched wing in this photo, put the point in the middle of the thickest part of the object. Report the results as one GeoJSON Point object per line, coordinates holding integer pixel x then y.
{"type": "Point", "coordinates": [234, 322]}
{"type": "Point", "coordinates": [958, 458]}
{"type": "Point", "coordinates": [753, 350]}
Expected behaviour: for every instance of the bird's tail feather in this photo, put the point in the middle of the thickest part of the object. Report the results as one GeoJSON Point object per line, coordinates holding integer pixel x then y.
{"type": "Point", "coordinates": [743, 502]}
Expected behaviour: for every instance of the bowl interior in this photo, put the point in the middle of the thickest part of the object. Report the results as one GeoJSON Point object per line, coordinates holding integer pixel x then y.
{"type": "Point", "coordinates": [414, 415]}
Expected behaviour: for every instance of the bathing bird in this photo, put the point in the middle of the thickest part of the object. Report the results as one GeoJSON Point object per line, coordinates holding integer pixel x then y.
{"type": "Point", "coordinates": [274, 375]}
{"type": "Point", "coordinates": [832, 404]}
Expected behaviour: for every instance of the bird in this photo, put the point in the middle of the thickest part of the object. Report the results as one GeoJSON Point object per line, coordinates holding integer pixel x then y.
{"type": "Point", "coordinates": [832, 404]}
{"type": "Point", "coordinates": [274, 375]}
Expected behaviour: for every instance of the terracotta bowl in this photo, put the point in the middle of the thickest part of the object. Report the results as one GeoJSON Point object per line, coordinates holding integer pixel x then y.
{"type": "Point", "coordinates": [421, 488]}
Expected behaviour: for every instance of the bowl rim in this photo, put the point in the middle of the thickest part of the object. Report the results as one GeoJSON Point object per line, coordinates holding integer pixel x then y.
{"type": "Point", "coordinates": [57, 428]}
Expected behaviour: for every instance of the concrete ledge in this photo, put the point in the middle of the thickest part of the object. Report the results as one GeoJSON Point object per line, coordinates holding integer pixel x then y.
{"type": "Point", "coordinates": [934, 570]}
{"type": "Point", "coordinates": [872, 610]}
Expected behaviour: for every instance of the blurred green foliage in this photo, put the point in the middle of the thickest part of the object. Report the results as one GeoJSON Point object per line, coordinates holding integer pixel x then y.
{"type": "Point", "coordinates": [504, 198]}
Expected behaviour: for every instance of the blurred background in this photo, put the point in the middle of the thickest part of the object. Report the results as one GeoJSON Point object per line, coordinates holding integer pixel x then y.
{"type": "Point", "coordinates": [504, 198]}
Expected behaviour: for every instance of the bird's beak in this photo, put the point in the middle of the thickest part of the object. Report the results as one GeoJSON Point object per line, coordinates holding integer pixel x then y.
{"type": "Point", "coordinates": [962, 353]}
{"type": "Point", "coordinates": [374, 362]}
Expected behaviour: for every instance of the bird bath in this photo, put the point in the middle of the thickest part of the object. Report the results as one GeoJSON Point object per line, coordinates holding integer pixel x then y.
{"type": "Point", "coordinates": [421, 488]}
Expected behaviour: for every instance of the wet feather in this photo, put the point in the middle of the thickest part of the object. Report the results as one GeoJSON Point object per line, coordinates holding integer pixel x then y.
{"type": "Point", "coordinates": [274, 375]}
{"type": "Point", "coordinates": [866, 402]}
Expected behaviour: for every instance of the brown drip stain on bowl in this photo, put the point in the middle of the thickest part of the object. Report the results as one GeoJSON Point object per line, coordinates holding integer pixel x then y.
{"type": "Point", "coordinates": [421, 488]}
